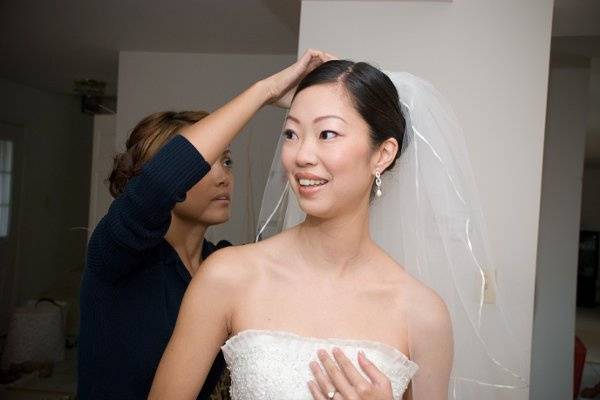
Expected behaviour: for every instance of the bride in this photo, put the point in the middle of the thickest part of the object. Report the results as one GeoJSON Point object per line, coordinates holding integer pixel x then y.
{"type": "Point", "coordinates": [319, 310]}
{"type": "Point", "coordinates": [379, 287]}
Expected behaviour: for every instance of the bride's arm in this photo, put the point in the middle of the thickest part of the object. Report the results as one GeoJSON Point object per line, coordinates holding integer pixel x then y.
{"type": "Point", "coordinates": [202, 327]}
{"type": "Point", "coordinates": [431, 344]}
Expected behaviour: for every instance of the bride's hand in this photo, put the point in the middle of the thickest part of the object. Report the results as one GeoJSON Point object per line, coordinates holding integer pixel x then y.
{"type": "Point", "coordinates": [342, 381]}
{"type": "Point", "coordinates": [282, 85]}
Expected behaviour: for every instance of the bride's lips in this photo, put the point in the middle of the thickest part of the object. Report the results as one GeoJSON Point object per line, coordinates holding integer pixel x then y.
{"type": "Point", "coordinates": [309, 184]}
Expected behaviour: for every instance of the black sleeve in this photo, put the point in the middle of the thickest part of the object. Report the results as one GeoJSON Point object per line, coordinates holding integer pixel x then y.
{"type": "Point", "coordinates": [139, 218]}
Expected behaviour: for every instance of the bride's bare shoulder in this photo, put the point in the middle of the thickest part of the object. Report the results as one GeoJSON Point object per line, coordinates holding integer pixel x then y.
{"type": "Point", "coordinates": [423, 306]}
{"type": "Point", "coordinates": [426, 311]}
{"type": "Point", "coordinates": [272, 249]}
{"type": "Point", "coordinates": [221, 269]}
{"type": "Point", "coordinates": [244, 262]}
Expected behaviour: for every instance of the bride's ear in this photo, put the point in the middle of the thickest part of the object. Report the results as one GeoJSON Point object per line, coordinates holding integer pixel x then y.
{"type": "Point", "coordinates": [385, 154]}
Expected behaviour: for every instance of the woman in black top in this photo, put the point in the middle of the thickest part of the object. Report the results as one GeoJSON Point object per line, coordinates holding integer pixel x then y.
{"type": "Point", "coordinates": [143, 253]}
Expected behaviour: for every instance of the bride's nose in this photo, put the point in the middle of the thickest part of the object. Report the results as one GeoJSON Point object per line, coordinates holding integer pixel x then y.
{"type": "Point", "coordinates": [307, 152]}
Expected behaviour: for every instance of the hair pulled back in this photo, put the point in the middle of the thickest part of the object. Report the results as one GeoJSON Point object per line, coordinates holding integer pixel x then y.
{"type": "Point", "coordinates": [372, 92]}
{"type": "Point", "coordinates": [148, 136]}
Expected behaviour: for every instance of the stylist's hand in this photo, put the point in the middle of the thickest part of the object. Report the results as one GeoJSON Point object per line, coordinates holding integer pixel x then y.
{"type": "Point", "coordinates": [282, 85]}
{"type": "Point", "coordinates": [342, 381]}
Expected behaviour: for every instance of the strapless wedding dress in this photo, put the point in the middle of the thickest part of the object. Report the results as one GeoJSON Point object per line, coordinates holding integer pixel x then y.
{"type": "Point", "coordinates": [275, 364]}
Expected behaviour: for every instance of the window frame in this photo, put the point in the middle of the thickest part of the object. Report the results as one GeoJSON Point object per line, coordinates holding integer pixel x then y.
{"type": "Point", "coordinates": [12, 132]}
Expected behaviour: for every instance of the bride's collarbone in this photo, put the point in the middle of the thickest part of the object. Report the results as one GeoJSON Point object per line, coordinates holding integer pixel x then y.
{"type": "Point", "coordinates": [312, 314]}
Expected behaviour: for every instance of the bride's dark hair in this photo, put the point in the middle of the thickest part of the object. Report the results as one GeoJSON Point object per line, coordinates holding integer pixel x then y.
{"type": "Point", "coordinates": [373, 93]}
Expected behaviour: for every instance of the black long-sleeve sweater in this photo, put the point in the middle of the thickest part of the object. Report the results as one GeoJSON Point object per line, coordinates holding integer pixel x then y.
{"type": "Point", "coordinates": [134, 281]}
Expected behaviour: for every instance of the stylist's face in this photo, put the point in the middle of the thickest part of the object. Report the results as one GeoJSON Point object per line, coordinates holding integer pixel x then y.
{"type": "Point", "coordinates": [209, 201]}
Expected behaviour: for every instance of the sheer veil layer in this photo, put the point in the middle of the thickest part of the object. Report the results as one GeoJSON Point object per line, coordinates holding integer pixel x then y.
{"type": "Point", "coordinates": [430, 220]}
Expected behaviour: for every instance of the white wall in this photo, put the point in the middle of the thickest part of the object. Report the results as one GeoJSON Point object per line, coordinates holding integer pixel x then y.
{"type": "Point", "coordinates": [54, 185]}
{"type": "Point", "coordinates": [150, 82]}
{"type": "Point", "coordinates": [556, 279]}
{"type": "Point", "coordinates": [490, 59]}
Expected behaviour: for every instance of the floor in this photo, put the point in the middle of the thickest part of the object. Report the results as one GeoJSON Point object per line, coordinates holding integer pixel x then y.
{"type": "Point", "coordinates": [60, 386]}
{"type": "Point", "coordinates": [591, 376]}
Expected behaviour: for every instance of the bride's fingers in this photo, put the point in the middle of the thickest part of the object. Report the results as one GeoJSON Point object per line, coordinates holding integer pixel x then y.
{"type": "Point", "coordinates": [335, 375]}
{"type": "Point", "coordinates": [351, 373]}
{"type": "Point", "coordinates": [315, 391]}
{"type": "Point", "coordinates": [321, 378]}
{"type": "Point", "coordinates": [374, 374]}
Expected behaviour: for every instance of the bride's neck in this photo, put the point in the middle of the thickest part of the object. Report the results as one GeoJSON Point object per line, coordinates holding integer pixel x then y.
{"type": "Point", "coordinates": [337, 244]}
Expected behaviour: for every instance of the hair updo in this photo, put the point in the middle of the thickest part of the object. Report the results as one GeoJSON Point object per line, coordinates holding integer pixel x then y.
{"type": "Point", "coordinates": [148, 136]}
{"type": "Point", "coordinates": [373, 94]}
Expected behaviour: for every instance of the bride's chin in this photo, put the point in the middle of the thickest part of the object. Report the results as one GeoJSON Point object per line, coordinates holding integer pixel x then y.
{"type": "Point", "coordinates": [316, 210]}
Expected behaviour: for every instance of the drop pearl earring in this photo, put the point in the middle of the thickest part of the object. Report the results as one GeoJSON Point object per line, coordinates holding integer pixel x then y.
{"type": "Point", "coordinates": [378, 193]}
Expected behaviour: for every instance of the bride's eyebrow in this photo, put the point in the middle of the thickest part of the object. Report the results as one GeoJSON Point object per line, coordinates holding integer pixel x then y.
{"type": "Point", "coordinates": [329, 116]}
{"type": "Point", "coordinates": [296, 120]}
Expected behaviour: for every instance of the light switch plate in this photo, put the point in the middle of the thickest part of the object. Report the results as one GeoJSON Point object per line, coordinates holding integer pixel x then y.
{"type": "Point", "coordinates": [489, 286]}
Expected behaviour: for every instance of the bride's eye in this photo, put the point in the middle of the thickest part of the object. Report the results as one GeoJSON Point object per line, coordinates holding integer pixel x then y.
{"type": "Point", "coordinates": [289, 134]}
{"type": "Point", "coordinates": [326, 135]}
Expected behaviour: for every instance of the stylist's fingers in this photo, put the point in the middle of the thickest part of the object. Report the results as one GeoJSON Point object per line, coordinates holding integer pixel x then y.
{"type": "Point", "coordinates": [311, 59]}
{"type": "Point", "coordinates": [329, 57]}
{"type": "Point", "coordinates": [282, 85]}
{"type": "Point", "coordinates": [306, 59]}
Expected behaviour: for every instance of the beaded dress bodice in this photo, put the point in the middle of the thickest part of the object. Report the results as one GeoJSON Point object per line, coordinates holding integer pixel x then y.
{"type": "Point", "coordinates": [275, 364]}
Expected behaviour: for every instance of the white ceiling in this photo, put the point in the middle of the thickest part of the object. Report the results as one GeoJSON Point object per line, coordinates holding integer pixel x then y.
{"type": "Point", "coordinates": [48, 44]}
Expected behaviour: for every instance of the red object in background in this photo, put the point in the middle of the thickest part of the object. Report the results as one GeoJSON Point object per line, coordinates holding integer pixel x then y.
{"type": "Point", "coordinates": [580, 352]}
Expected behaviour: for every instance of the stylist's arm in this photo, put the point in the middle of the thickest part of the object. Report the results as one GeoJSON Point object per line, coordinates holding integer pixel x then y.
{"type": "Point", "coordinates": [202, 324]}
{"type": "Point", "coordinates": [213, 133]}
{"type": "Point", "coordinates": [173, 180]}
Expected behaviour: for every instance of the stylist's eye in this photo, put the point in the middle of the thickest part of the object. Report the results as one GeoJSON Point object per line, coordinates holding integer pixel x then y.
{"type": "Point", "coordinates": [228, 163]}
{"type": "Point", "coordinates": [326, 135]}
{"type": "Point", "coordinates": [289, 134]}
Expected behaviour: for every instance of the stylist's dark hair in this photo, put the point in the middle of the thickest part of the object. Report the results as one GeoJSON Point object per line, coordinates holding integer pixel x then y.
{"type": "Point", "coordinates": [374, 96]}
{"type": "Point", "coordinates": [148, 136]}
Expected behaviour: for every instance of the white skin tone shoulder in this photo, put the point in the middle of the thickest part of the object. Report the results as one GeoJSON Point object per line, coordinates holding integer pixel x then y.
{"type": "Point", "coordinates": [327, 274]}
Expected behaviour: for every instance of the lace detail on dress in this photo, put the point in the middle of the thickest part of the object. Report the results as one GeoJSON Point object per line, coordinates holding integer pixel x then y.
{"type": "Point", "coordinates": [275, 364]}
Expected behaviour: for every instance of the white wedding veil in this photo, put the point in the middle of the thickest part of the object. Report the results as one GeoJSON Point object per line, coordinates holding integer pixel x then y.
{"type": "Point", "coordinates": [429, 220]}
